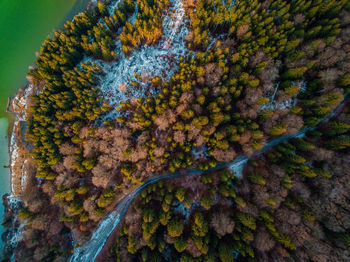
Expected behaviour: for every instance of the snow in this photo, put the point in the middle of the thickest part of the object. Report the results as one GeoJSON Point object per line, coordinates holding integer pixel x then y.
{"type": "Point", "coordinates": [13, 145]}
{"type": "Point", "coordinates": [301, 85]}
{"type": "Point", "coordinates": [90, 250]}
{"type": "Point", "coordinates": [272, 97]}
{"type": "Point", "coordinates": [16, 231]}
{"type": "Point", "coordinates": [201, 152]}
{"type": "Point", "coordinates": [180, 208]}
{"type": "Point", "coordinates": [13, 201]}
{"type": "Point", "coordinates": [166, 254]}
{"type": "Point", "coordinates": [237, 167]}
{"type": "Point", "coordinates": [19, 101]}
{"type": "Point", "coordinates": [160, 59]}
{"type": "Point", "coordinates": [272, 104]}
{"type": "Point", "coordinates": [213, 41]}
{"type": "Point", "coordinates": [23, 176]}
{"type": "Point", "coordinates": [13, 151]}
{"type": "Point", "coordinates": [111, 7]}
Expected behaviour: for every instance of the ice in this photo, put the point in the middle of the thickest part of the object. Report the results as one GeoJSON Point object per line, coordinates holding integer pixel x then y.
{"type": "Point", "coordinates": [201, 152]}
{"type": "Point", "coordinates": [238, 165]}
{"type": "Point", "coordinates": [180, 208]}
{"type": "Point", "coordinates": [272, 104]}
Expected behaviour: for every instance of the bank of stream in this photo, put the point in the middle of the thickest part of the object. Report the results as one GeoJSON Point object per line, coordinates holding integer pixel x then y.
{"type": "Point", "coordinates": [24, 26]}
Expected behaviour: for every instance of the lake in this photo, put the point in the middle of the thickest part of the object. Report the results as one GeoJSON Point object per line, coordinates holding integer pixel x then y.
{"type": "Point", "coordinates": [24, 25]}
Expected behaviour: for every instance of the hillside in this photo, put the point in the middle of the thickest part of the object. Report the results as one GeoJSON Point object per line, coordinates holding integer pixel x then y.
{"type": "Point", "coordinates": [238, 108]}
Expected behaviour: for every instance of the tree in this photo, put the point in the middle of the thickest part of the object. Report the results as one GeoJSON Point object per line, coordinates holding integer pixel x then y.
{"type": "Point", "coordinates": [131, 245]}
{"type": "Point", "coordinates": [199, 225]}
{"type": "Point", "coordinates": [175, 227]}
{"type": "Point", "coordinates": [82, 189]}
{"type": "Point", "coordinates": [89, 163]}
{"type": "Point", "coordinates": [295, 73]}
{"type": "Point", "coordinates": [222, 223]}
{"type": "Point", "coordinates": [102, 8]}
{"type": "Point", "coordinates": [344, 81]}
{"type": "Point", "coordinates": [180, 244]}
{"type": "Point", "coordinates": [247, 220]}
{"type": "Point", "coordinates": [278, 129]}
{"type": "Point", "coordinates": [226, 252]}
{"type": "Point", "coordinates": [337, 128]}
{"type": "Point", "coordinates": [164, 217]}
{"type": "Point", "coordinates": [207, 201]}
{"type": "Point", "coordinates": [180, 194]}
{"type": "Point", "coordinates": [256, 178]}
{"type": "Point", "coordinates": [75, 208]}
{"type": "Point", "coordinates": [24, 213]}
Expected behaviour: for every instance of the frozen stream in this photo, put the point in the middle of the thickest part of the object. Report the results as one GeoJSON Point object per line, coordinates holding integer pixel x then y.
{"type": "Point", "coordinates": [90, 250]}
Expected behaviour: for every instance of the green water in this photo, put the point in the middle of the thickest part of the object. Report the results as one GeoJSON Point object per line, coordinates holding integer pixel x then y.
{"type": "Point", "coordinates": [4, 172]}
{"type": "Point", "coordinates": [24, 25]}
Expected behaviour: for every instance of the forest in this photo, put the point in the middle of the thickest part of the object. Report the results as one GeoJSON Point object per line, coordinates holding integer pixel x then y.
{"type": "Point", "coordinates": [285, 208]}
{"type": "Point", "coordinates": [255, 71]}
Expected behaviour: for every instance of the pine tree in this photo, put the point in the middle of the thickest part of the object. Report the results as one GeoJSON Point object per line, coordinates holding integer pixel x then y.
{"type": "Point", "coordinates": [247, 220]}
{"type": "Point", "coordinates": [175, 227]}
{"type": "Point", "coordinates": [257, 179]}
{"type": "Point", "coordinates": [200, 225]}
{"type": "Point", "coordinates": [225, 252]}
{"type": "Point", "coordinates": [206, 202]}
{"type": "Point", "coordinates": [278, 129]}
{"type": "Point", "coordinates": [180, 244]}
{"type": "Point", "coordinates": [180, 194]}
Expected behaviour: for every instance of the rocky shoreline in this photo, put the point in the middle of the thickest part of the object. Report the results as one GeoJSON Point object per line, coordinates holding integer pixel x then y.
{"type": "Point", "coordinates": [21, 165]}
{"type": "Point", "coordinates": [19, 148]}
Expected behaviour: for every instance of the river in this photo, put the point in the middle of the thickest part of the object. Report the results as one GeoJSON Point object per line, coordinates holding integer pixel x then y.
{"type": "Point", "coordinates": [24, 25]}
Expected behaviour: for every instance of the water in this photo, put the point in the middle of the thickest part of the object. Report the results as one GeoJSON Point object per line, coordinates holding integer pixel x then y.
{"type": "Point", "coordinates": [24, 25]}
{"type": "Point", "coordinates": [4, 161]}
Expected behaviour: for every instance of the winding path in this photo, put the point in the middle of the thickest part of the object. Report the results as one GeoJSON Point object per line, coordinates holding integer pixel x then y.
{"type": "Point", "coordinates": [90, 250]}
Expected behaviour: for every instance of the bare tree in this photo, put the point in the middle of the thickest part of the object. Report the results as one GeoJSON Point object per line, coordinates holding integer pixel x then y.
{"type": "Point", "coordinates": [67, 149]}
{"type": "Point", "coordinates": [263, 240]}
{"type": "Point", "coordinates": [224, 155]}
{"type": "Point", "coordinates": [159, 151]}
{"type": "Point", "coordinates": [213, 74]}
{"type": "Point", "coordinates": [179, 137]}
{"type": "Point", "coordinates": [299, 19]}
{"type": "Point", "coordinates": [242, 30]}
{"type": "Point", "coordinates": [192, 249]}
{"type": "Point", "coordinates": [41, 222]}
{"type": "Point", "coordinates": [193, 132]}
{"type": "Point", "coordinates": [139, 153]}
{"type": "Point", "coordinates": [294, 123]}
{"type": "Point", "coordinates": [165, 119]}
{"type": "Point", "coordinates": [48, 188]}
{"type": "Point", "coordinates": [222, 223]}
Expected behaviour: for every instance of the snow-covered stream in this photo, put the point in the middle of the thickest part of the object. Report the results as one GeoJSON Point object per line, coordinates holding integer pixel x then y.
{"type": "Point", "coordinates": [90, 250]}
{"type": "Point", "coordinates": [273, 105]}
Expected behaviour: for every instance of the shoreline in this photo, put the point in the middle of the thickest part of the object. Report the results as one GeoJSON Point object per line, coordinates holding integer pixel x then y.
{"type": "Point", "coordinates": [16, 113]}
{"type": "Point", "coordinates": [10, 100]}
{"type": "Point", "coordinates": [10, 132]}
